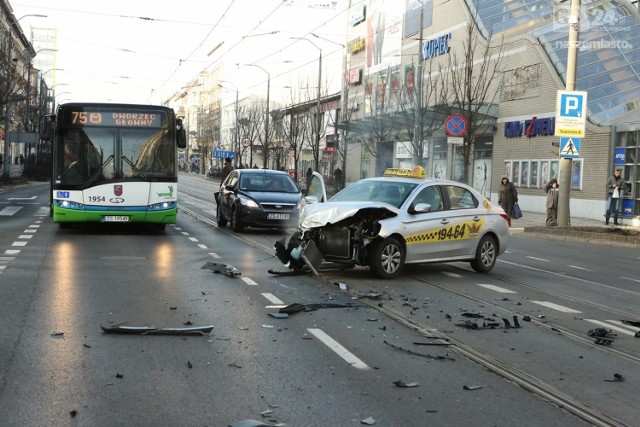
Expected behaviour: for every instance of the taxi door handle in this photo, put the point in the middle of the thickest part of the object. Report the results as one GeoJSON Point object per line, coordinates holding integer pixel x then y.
{"type": "Point", "coordinates": [476, 218]}
{"type": "Point", "coordinates": [444, 221]}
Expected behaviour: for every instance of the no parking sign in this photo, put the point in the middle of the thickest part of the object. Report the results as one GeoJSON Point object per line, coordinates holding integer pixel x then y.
{"type": "Point", "coordinates": [456, 125]}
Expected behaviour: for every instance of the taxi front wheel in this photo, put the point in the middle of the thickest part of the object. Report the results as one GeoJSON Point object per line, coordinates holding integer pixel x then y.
{"type": "Point", "coordinates": [386, 258]}
{"type": "Point", "coordinates": [486, 255]}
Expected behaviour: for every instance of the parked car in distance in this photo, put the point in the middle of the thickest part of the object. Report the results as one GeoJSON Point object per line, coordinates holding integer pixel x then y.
{"type": "Point", "coordinates": [400, 218]}
{"type": "Point", "coordinates": [214, 171]}
{"type": "Point", "coordinates": [261, 198]}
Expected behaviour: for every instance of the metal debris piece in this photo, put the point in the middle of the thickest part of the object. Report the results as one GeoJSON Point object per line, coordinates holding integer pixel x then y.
{"type": "Point", "coordinates": [402, 384]}
{"type": "Point", "coordinates": [602, 336]}
{"type": "Point", "coordinates": [368, 421]}
{"type": "Point", "coordinates": [279, 315]}
{"type": "Point", "coordinates": [152, 330]}
{"type": "Point", "coordinates": [73, 413]}
{"type": "Point", "coordinates": [296, 307]}
{"type": "Point", "coordinates": [342, 286]}
{"type": "Point", "coordinates": [292, 308]}
{"type": "Point", "coordinates": [57, 334]}
{"type": "Point", "coordinates": [617, 378]}
{"type": "Point", "coordinates": [477, 315]}
{"type": "Point", "coordinates": [419, 354]}
{"type": "Point", "coordinates": [249, 423]}
{"type": "Point", "coordinates": [226, 269]}
{"type": "Point", "coordinates": [526, 318]}
{"type": "Point", "coordinates": [371, 295]}
{"type": "Point", "coordinates": [631, 323]}
{"type": "Point", "coordinates": [119, 375]}
{"type": "Point", "coordinates": [235, 365]}
{"type": "Point", "coordinates": [472, 387]}
{"type": "Point", "coordinates": [189, 364]}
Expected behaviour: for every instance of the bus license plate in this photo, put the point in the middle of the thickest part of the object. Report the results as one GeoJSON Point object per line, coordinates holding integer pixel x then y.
{"type": "Point", "coordinates": [119, 218]}
{"type": "Point", "coordinates": [277, 216]}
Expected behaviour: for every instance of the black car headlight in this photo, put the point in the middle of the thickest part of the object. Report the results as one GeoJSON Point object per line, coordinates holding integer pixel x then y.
{"type": "Point", "coordinates": [250, 203]}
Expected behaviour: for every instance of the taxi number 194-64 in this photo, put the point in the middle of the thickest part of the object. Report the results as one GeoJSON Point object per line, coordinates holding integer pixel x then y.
{"type": "Point", "coordinates": [456, 232]}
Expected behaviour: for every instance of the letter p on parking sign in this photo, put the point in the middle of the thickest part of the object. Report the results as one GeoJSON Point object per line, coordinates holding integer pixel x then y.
{"type": "Point", "coordinates": [571, 113]}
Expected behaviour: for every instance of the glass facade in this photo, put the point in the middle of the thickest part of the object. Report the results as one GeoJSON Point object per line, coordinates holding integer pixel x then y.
{"type": "Point", "coordinates": [609, 42]}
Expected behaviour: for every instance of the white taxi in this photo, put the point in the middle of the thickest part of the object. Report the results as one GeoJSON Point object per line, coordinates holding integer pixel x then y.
{"type": "Point", "coordinates": [400, 218]}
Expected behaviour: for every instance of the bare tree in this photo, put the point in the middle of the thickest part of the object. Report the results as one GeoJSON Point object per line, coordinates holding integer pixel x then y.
{"type": "Point", "coordinates": [473, 80]}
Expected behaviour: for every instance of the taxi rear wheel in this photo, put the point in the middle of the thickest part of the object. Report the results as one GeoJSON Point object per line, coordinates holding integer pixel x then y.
{"type": "Point", "coordinates": [386, 258]}
{"type": "Point", "coordinates": [486, 255]}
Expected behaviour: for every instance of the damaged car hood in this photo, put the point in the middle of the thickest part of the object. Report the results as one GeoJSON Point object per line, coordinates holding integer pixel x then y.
{"type": "Point", "coordinates": [321, 214]}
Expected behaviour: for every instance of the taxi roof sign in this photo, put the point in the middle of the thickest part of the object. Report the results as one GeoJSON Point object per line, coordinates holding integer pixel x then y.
{"type": "Point", "coordinates": [415, 172]}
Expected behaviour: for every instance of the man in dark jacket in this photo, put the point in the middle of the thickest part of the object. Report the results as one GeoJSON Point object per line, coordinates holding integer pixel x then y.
{"type": "Point", "coordinates": [615, 189]}
{"type": "Point", "coordinates": [226, 169]}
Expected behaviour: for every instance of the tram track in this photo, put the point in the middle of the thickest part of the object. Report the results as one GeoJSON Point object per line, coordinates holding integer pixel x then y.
{"type": "Point", "coordinates": [516, 376]}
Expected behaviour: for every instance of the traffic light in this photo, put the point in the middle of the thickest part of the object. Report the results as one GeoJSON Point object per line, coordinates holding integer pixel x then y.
{"type": "Point", "coordinates": [556, 148]}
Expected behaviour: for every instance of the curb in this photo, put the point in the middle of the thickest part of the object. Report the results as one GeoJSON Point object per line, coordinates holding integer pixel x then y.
{"type": "Point", "coordinates": [612, 236]}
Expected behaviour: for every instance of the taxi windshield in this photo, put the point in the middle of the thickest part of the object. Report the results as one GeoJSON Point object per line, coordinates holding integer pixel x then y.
{"type": "Point", "coordinates": [391, 192]}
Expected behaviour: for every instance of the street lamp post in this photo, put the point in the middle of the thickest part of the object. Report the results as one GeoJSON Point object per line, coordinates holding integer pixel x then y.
{"type": "Point", "coordinates": [236, 143]}
{"type": "Point", "coordinates": [266, 120]}
{"type": "Point", "coordinates": [564, 194]}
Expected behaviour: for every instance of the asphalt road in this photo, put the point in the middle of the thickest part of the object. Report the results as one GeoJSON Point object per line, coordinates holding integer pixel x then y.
{"type": "Point", "coordinates": [331, 366]}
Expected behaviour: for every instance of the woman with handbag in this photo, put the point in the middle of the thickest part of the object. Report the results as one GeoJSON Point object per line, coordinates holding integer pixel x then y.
{"type": "Point", "coordinates": [615, 188]}
{"type": "Point", "coordinates": [507, 196]}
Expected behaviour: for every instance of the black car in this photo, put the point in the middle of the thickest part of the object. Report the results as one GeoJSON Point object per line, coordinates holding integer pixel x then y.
{"type": "Point", "coordinates": [261, 198]}
{"type": "Point", "coordinates": [214, 171]}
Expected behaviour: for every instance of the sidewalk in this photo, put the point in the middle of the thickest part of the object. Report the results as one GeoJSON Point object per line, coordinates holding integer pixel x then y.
{"type": "Point", "coordinates": [538, 219]}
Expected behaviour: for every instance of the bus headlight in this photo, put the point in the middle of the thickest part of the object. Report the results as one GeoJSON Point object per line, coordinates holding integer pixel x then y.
{"type": "Point", "coordinates": [162, 206]}
{"type": "Point", "coordinates": [68, 204]}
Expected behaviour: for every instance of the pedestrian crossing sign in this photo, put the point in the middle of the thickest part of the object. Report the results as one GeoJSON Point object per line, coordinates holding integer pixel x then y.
{"type": "Point", "coordinates": [569, 148]}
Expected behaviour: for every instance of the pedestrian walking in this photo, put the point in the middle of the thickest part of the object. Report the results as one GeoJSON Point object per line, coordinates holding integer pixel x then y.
{"type": "Point", "coordinates": [553, 190]}
{"type": "Point", "coordinates": [337, 179]}
{"type": "Point", "coordinates": [507, 196]}
{"type": "Point", "coordinates": [615, 189]}
{"type": "Point", "coordinates": [226, 169]}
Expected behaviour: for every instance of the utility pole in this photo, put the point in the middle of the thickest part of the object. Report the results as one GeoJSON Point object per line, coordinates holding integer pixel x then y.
{"type": "Point", "coordinates": [418, 149]}
{"type": "Point", "coordinates": [566, 165]}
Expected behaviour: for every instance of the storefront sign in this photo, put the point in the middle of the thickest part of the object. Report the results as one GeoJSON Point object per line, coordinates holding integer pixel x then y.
{"type": "Point", "coordinates": [353, 75]}
{"type": "Point", "coordinates": [356, 45]}
{"type": "Point", "coordinates": [436, 47]}
{"type": "Point", "coordinates": [530, 128]}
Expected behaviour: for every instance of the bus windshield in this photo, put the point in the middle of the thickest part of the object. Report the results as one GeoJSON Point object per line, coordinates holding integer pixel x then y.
{"type": "Point", "coordinates": [96, 154]}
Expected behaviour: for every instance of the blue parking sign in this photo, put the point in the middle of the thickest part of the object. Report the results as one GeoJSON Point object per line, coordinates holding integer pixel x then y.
{"type": "Point", "coordinates": [571, 105]}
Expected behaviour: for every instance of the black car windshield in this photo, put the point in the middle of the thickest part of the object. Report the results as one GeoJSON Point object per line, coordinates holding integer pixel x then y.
{"type": "Point", "coordinates": [390, 192]}
{"type": "Point", "coordinates": [264, 182]}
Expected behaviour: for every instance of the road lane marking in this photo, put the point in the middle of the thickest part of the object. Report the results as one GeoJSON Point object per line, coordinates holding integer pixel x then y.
{"type": "Point", "coordinates": [214, 255]}
{"type": "Point", "coordinates": [450, 274]}
{"type": "Point", "coordinates": [556, 307]}
{"type": "Point", "coordinates": [12, 252]}
{"type": "Point", "coordinates": [9, 210]}
{"type": "Point", "coordinates": [537, 259]}
{"type": "Point", "coordinates": [249, 282]}
{"type": "Point", "coordinates": [23, 198]}
{"type": "Point", "coordinates": [193, 239]}
{"type": "Point", "coordinates": [611, 325]}
{"type": "Point", "coordinates": [34, 226]}
{"type": "Point", "coordinates": [29, 230]}
{"type": "Point", "coordinates": [630, 278]}
{"type": "Point", "coordinates": [345, 354]}
{"type": "Point", "coordinates": [16, 243]}
{"type": "Point", "coordinates": [272, 298]}
{"type": "Point", "coordinates": [184, 233]}
{"type": "Point", "coordinates": [497, 289]}
{"type": "Point", "coordinates": [578, 267]}
{"type": "Point", "coordinates": [202, 246]}
{"type": "Point", "coordinates": [24, 236]}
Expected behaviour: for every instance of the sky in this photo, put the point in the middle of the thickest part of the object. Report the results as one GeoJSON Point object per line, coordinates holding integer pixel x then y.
{"type": "Point", "coordinates": [143, 51]}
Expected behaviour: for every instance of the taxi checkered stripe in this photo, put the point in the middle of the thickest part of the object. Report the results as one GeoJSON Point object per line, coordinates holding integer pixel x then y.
{"type": "Point", "coordinates": [422, 237]}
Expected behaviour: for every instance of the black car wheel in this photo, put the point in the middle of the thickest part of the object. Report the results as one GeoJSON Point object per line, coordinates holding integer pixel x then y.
{"type": "Point", "coordinates": [236, 221]}
{"type": "Point", "coordinates": [486, 255]}
{"type": "Point", "coordinates": [222, 221]}
{"type": "Point", "coordinates": [386, 258]}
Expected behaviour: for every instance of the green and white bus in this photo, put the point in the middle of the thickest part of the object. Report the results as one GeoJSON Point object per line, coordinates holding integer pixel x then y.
{"type": "Point", "coordinates": [114, 163]}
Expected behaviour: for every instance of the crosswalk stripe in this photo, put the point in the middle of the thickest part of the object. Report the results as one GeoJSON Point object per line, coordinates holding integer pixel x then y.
{"type": "Point", "coordinates": [556, 307]}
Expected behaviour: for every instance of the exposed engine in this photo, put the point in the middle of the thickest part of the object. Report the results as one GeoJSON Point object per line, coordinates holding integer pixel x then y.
{"type": "Point", "coordinates": [344, 242]}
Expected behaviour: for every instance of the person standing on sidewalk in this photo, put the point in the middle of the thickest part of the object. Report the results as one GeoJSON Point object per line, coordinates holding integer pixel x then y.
{"type": "Point", "coordinates": [615, 189]}
{"type": "Point", "coordinates": [226, 169]}
{"type": "Point", "coordinates": [507, 196]}
{"type": "Point", "coordinates": [553, 190]}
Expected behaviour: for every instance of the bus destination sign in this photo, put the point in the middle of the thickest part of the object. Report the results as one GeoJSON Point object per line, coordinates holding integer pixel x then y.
{"type": "Point", "coordinates": [114, 119]}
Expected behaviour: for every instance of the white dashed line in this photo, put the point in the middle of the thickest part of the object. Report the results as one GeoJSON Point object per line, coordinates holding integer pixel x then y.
{"type": "Point", "coordinates": [184, 233]}
{"type": "Point", "coordinates": [249, 282]}
{"type": "Point", "coordinates": [201, 246]}
{"type": "Point", "coordinates": [214, 255]}
{"type": "Point", "coordinates": [29, 230]}
{"type": "Point", "coordinates": [611, 324]}
{"type": "Point", "coordinates": [450, 274]}
{"type": "Point", "coordinates": [24, 236]}
{"type": "Point", "coordinates": [193, 239]}
{"type": "Point", "coordinates": [579, 268]}
{"type": "Point", "coordinates": [12, 252]}
{"type": "Point", "coordinates": [630, 278]}
{"type": "Point", "coordinates": [556, 307]}
{"type": "Point", "coordinates": [538, 259]}
{"type": "Point", "coordinates": [34, 226]}
{"type": "Point", "coordinates": [272, 299]}
{"type": "Point", "coordinates": [349, 357]}
{"type": "Point", "coordinates": [16, 243]}
{"type": "Point", "coordinates": [497, 289]}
